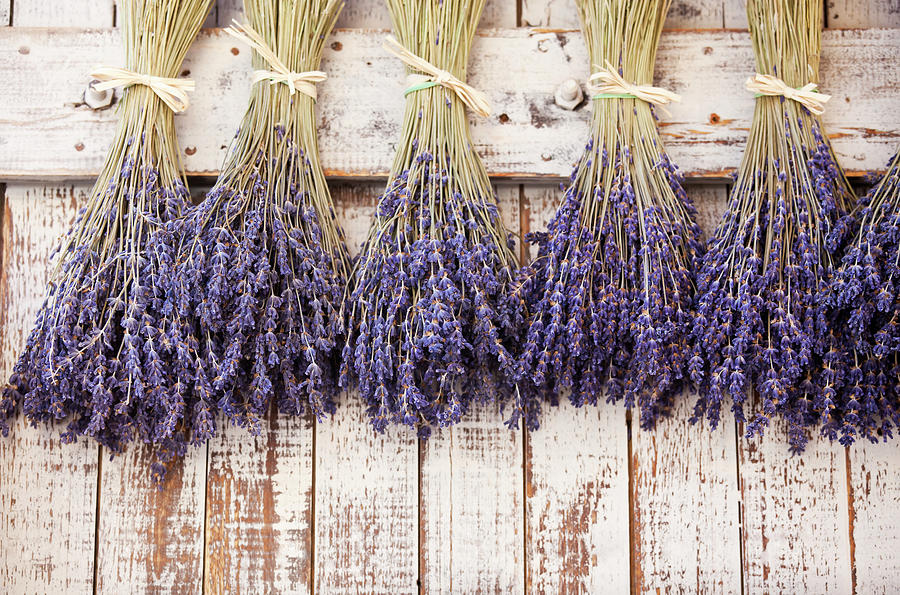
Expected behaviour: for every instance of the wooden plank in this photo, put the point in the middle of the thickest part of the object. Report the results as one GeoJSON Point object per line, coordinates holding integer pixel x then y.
{"type": "Point", "coordinates": [74, 13]}
{"type": "Point", "coordinates": [373, 14]}
{"type": "Point", "coordinates": [259, 509]}
{"type": "Point", "coordinates": [685, 485]}
{"type": "Point", "coordinates": [795, 516]}
{"type": "Point", "coordinates": [844, 14]}
{"type": "Point", "coordinates": [735, 14]}
{"type": "Point", "coordinates": [151, 538]}
{"type": "Point", "coordinates": [686, 499]}
{"type": "Point", "coordinates": [577, 502]}
{"type": "Point", "coordinates": [5, 13]}
{"type": "Point", "coordinates": [875, 499]}
{"type": "Point", "coordinates": [48, 491]}
{"type": "Point", "coordinates": [224, 11]}
{"type": "Point", "coordinates": [692, 14]}
{"type": "Point", "coordinates": [49, 134]}
{"type": "Point", "coordinates": [366, 488]}
{"type": "Point", "coordinates": [472, 516]}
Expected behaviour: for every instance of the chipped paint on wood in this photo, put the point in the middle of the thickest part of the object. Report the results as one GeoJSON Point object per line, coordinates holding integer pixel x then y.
{"type": "Point", "coordinates": [70, 13]}
{"type": "Point", "coordinates": [149, 536]}
{"type": "Point", "coordinates": [875, 500]}
{"type": "Point", "coordinates": [48, 491]}
{"type": "Point", "coordinates": [527, 137]}
{"type": "Point", "coordinates": [795, 516]}
{"type": "Point", "coordinates": [259, 508]}
{"type": "Point", "coordinates": [845, 14]}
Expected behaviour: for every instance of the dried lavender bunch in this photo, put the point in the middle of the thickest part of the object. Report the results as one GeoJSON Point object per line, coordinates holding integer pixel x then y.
{"type": "Point", "coordinates": [611, 287]}
{"type": "Point", "coordinates": [255, 301]}
{"type": "Point", "coordinates": [93, 356]}
{"type": "Point", "coordinates": [763, 282]}
{"type": "Point", "coordinates": [866, 312]}
{"type": "Point", "coordinates": [433, 311]}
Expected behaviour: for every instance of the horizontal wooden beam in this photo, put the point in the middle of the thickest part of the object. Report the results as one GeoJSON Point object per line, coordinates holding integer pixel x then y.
{"type": "Point", "coordinates": [47, 132]}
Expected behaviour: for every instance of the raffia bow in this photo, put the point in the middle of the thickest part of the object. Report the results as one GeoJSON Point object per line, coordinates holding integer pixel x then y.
{"type": "Point", "coordinates": [608, 83]}
{"type": "Point", "coordinates": [304, 82]}
{"type": "Point", "coordinates": [807, 95]}
{"type": "Point", "coordinates": [173, 92]}
{"type": "Point", "coordinates": [433, 76]}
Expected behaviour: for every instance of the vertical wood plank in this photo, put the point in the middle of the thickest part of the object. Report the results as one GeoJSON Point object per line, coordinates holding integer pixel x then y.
{"type": "Point", "coordinates": [795, 516]}
{"type": "Point", "coordinates": [366, 489]}
{"type": "Point", "coordinates": [850, 14]}
{"type": "Point", "coordinates": [472, 499]}
{"type": "Point", "coordinates": [875, 500]}
{"type": "Point", "coordinates": [475, 544]}
{"type": "Point", "coordinates": [577, 495]}
{"type": "Point", "coordinates": [577, 481]}
{"type": "Point", "coordinates": [48, 491]}
{"type": "Point", "coordinates": [5, 13]}
{"type": "Point", "coordinates": [151, 538]}
{"type": "Point", "coordinates": [366, 505]}
{"type": "Point", "coordinates": [736, 14]}
{"type": "Point", "coordinates": [71, 13]}
{"type": "Point", "coordinates": [224, 11]}
{"type": "Point", "coordinates": [259, 509]}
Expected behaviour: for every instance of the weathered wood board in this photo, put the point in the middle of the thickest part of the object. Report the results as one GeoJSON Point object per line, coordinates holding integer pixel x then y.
{"type": "Point", "coordinates": [48, 491]}
{"type": "Point", "coordinates": [48, 132]}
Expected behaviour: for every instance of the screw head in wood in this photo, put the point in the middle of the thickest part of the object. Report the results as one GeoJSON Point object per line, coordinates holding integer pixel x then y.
{"type": "Point", "coordinates": [568, 94]}
{"type": "Point", "coordinates": [95, 99]}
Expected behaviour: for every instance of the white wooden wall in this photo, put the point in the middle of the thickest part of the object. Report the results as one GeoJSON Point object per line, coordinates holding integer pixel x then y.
{"type": "Point", "coordinates": [588, 504]}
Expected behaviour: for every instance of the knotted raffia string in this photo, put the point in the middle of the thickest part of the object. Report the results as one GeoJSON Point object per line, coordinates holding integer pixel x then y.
{"type": "Point", "coordinates": [607, 83]}
{"type": "Point", "coordinates": [173, 92]}
{"type": "Point", "coordinates": [304, 82]}
{"type": "Point", "coordinates": [434, 76]}
{"type": "Point", "coordinates": [807, 95]}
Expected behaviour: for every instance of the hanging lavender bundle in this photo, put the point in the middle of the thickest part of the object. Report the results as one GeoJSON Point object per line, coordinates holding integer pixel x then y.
{"type": "Point", "coordinates": [612, 284]}
{"type": "Point", "coordinates": [763, 283]}
{"type": "Point", "coordinates": [255, 302]}
{"type": "Point", "coordinates": [93, 356]}
{"type": "Point", "coordinates": [866, 312]}
{"type": "Point", "coordinates": [433, 312]}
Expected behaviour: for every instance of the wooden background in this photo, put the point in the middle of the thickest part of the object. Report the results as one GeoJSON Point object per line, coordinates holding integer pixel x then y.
{"type": "Point", "coordinates": [589, 503]}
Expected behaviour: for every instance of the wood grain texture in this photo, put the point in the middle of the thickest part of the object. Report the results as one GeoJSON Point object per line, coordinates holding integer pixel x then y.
{"type": "Point", "coordinates": [473, 532]}
{"type": "Point", "coordinates": [875, 500]}
{"type": "Point", "coordinates": [151, 538]}
{"type": "Point", "coordinates": [5, 14]}
{"type": "Point", "coordinates": [844, 14]}
{"type": "Point", "coordinates": [686, 506]}
{"type": "Point", "coordinates": [49, 133]}
{"type": "Point", "coordinates": [373, 14]}
{"type": "Point", "coordinates": [259, 509]}
{"type": "Point", "coordinates": [366, 490]}
{"type": "Point", "coordinates": [366, 505]}
{"type": "Point", "coordinates": [70, 13]}
{"type": "Point", "coordinates": [795, 516]}
{"type": "Point", "coordinates": [577, 499]}
{"type": "Point", "coordinates": [48, 491]}
{"type": "Point", "coordinates": [683, 14]}
{"type": "Point", "coordinates": [472, 516]}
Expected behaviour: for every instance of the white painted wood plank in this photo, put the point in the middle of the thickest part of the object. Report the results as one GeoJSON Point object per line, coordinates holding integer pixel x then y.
{"type": "Point", "coordinates": [683, 14]}
{"type": "Point", "coordinates": [472, 515]}
{"type": "Point", "coordinates": [151, 539]}
{"type": "Point", "coordinates": [577, 483]}
{"type": "Point", "coordinates": [259, 509]}
{"type": "Point", "coordinates": [577, 501]}
{"type": "Point", "coordinates": [48, 134]}
{"type": "Point", "coordinates": [844, 14]}
{"type": "Point", "coordinates": [68, 13]}
{"type": "Point", "coordinates": [366, 491]}
{"type": "Point", "coordinates": [224, 11]}
{"type": "Point", "coordinates": [366, 505]}
{"type": "Point", "coordinates": [373, 14]}
{"type": "Point", "coordinates": [736, 14]}
{"type": "Point", "coordinates": [687, 506]}
{"type": "Point", "coordinates": [5, 14]}
{"type": "Point", "coordinates": [875, 500]}
{"type": "Point", "coordinates": [48, 491]}
{"type": "Point", "coordinates": [795, 516]}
